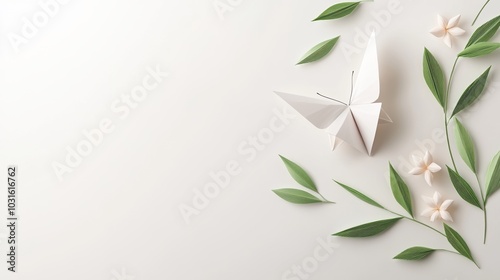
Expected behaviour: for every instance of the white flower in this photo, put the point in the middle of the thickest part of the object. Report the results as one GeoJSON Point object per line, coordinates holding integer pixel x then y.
{"type": "Point", "coordinates": [437, 209]}
{"type": "Point", "coordinates": [447, 29]}
{"type": "Point", "coordinates": [425, 166]}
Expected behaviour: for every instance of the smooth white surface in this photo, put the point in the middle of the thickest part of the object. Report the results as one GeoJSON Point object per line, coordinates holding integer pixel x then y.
{"type": "Point", "coordinates": [119, 209]}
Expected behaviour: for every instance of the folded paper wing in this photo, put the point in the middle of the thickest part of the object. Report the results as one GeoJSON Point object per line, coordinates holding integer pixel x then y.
{"type": "Point", "coordinates": [367, 87]}
{"type": "Point", "coordinates": [320, 112]}
{"type": "Point", "coordinates": [367, 118]}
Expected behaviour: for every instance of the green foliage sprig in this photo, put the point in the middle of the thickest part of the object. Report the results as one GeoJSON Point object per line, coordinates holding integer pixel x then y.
{"type": "Point", "coordinates": [478, 45]}
{"type": "Point", "coordinates": [299, 196]}
{"type": "Point", "coordinates": [401, 194]}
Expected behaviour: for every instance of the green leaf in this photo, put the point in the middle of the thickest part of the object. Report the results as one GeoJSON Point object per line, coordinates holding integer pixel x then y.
{"type": "Point", "coordinates": [319, 51]}
{"type": "Point", "coordinates": [493, 176]}
{"type": "Point", "coordinates": [457, 242]}
{"type": "Point", "coordinates": [400, 190]}
{"type": "Point", "coordinates": [465, 145]}
{"type": "Point", "coordinates": [434, 77]}
{"type": "Point", "coordinates": [298, 174]}
{"type": "Point", "coordinates": [297, 196]}
{"type": "Point", "coordinates": [472, 93]}
{"type": "Point", "coordinates": [360, 195]}
{"type": "Point", "coordinates": [414, 253]}
{"type": "Point", "coordinates": [369, 229]}
{"type": "Point", "coordinates": [338, 11]}
{"type": "Point", "coordinates": [479, 49]}
{"type": "Point", "coordinates": [485, 32]}
{"type": "Point", "coordinates": [463, 188]}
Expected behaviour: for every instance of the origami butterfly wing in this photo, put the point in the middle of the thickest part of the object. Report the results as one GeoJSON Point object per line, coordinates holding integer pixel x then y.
{"type": "Point", "coordinates": [367, 87]}
{"type": "Point", "coordinates": [345, 130]}
{"type": "Point", "coordinates": [336, 119]}
{"type": "Point", "coordinates": [321, 113]}
{"type": "Point", "coordinates": [367, 114]}
{"type": "Point", "coordinates": [367, 117]}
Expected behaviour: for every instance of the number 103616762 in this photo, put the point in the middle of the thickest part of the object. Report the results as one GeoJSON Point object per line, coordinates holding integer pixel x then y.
{"type": "Point", "coordinates": [12, 189]}
{"type": "Point", "coordinates": [12, 221]}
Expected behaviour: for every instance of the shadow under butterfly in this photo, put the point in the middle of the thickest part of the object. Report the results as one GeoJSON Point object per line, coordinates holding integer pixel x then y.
{"type": "Point", "coordinates": [354, 122]}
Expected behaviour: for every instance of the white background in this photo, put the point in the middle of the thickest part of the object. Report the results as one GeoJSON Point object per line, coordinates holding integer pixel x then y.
{"type": "Point", "coordinates": [116, 215]}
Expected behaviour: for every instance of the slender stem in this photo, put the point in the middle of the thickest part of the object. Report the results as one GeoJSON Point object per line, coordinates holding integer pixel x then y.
{"type": "Point", "coordinates": [449, 251]}
{"type": "Point", "coordinates": [416, 221]}
{"type": "Point", "coordinates": [445, 108]}
{"type": "Point", "coordinates": [485, 223]}
{"type": "Point", "coordinates": [478, 14]}
{"type": "Point", "coordinates": [324, 199]}
{"type": "Point", "coordinates": [485, 215]}
{"type": "Point", "coordinates": [448, 142]}
{"type": "Point", "coordinates": [480, 189]}
{"type": "Point", "coordinates": [448, 89]}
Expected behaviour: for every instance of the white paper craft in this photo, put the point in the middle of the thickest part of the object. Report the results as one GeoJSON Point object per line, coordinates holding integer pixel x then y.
{"type": "Point", "coordinates": [354, 122]}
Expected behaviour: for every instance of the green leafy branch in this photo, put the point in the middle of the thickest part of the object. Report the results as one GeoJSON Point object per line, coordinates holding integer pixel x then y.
{"type": "Point", "coordinates": [478, 45]}
{"type": "Point", "coordinates": [299, 196]}
{"type": "Point", "coordinates": [402, 195]}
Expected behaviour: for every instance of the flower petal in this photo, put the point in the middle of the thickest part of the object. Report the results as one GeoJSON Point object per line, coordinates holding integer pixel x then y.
{"type": "Point", "coordinates": [438, 31]}
{"type": "Point", "coordinates": [433, 167]}
{"type": "Point", "coordinates": [428, 212]}
{"type": "Point", "coordinates": [442, 21]}
{"type": "Point", "coordinates": [447, 40]}
{"type": "Point", "coordinates": [428, 158]}
{"type": "Point", "coordinates": [429, 201]}
{"type": "Point", "coordinates": [434, 216]}
{"type": "Point", "coordinates": [456, 31]}
{"type": "Point", "coordinates": [417, 160]}
{"type": "Point", "coordinates": [417, 171]}
{"type": "Point", "coordinates": [453, 22]}
{"type": "Point", "coordinates": [446, 204]}
{"type": "Point", "coordinates": [445, 215]}
{"type": "Point", "coordinates": [428, 177]}
{"type": "Point", "coordinates": [436, 198]}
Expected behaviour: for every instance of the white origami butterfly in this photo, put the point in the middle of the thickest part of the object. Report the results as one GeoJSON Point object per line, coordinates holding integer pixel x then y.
{"type": "Point", "coordinates": [354, 122]}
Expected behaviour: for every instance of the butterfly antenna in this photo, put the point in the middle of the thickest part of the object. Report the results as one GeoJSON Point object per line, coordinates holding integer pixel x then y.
{"type": "Point", "coordinates": [330, 98]}
{"type": "Point", "coordinates": [352, 86]}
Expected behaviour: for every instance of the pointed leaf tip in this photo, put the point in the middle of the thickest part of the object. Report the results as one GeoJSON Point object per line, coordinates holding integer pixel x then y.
{"type": "Point", "coordinates": [457, 242]}
{"type": "Point", "coordinates": [414, 253]}
{"type": "Point", "coordinates": [299, 174]}
{"type": "Point", "coordinates": [463, 188]}
{"type": "Point", "coordinates": [360, 195]}
{"type": "Point", "coordinates": [479, 49]}
{"type": "Point", "coordinates": [434, 77]}
{"type": "Point", "coordinates": [485, 32]}
{"type": "Point", "coordinates": [400, 190]}
{"type": "Point", "coordinates": [465, 145]}
{"type": "Point", "coordinates": [319, 51]}
{"type": "Point", "coordinates": [472, 93]}
{"type": "Point", "coordinates": [493, 176]}
{"type": "Point", "coordinates": [297, 196]}
{"type": "Point", "coordinates": [338, 11]}
{"type": "Point", "coordinates": [369, 229]}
